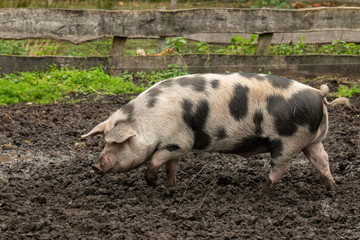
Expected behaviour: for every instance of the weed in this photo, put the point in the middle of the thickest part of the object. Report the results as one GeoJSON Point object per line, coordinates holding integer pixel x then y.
{"type": "Point", "coordinates": [345, 91]}
{"type": "Point", "coordinates": [289, 49]}
{"type": "Point", "coordinates": [273, 3]}
{"type": "Point", "coordinates": [240, 45]}
{"type": "Point", "coordinates": [12, 47]}
{"type": "Point", "coordinates": [178, 44]}
{"type": "Point", "coordinates": [340, 47]}
{"type": "Point", "coordinates": [54, 84]}
{"type": "Point", "coordinates": [153, 77]}
{"type": "Point", "coordinates": [202, 47]}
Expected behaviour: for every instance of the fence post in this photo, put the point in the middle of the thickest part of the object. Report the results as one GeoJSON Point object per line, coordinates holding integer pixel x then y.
{"type": "Point", "coordinates": [264, 42]}
{"type": "Point", "coordinates": [118, 45]}
{"type": "Point", "coordinates": [173, 4]}
{"type": "Point", "coordinates": [161, 43]}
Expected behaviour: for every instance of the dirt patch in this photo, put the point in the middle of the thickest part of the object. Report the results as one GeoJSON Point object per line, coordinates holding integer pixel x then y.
{"type": "Point", "coordinates": [49, 191]}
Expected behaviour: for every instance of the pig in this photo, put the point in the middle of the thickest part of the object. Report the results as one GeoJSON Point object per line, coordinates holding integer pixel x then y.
{"type": "Point", "coordinates": [237, 113]}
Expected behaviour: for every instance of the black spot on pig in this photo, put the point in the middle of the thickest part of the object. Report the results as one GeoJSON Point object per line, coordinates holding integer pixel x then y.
{"type": "Point", "coordinates": [196, 120]}
{"type": "Point", "coordinates": [251, 144]}
{"type": "Point", "coordinates": [221, 133]}
{"type": "Point", "coordinates": [258, 119]}
{"type": "Point", "coordinates": [260, 77]}
{"type": "Point", "coordinates": [276, 148]}
{"type": "Point", "coordinates": [249, 75]}
{"type": "Point", "coordinates": [128, 109]}
{"type": "Point", "coordinates": [304, 108]}
{"type": "Point", "coordinates": [172, 147]}
{"type": "Point", "coordinates": [239, 102]}
{"type": "Point", "coordinates": [166, 83]}
{"type": "Point", "coordinates": [151, 102]}
{"type": "Point", "coordinates": [153, 93]}
{"type": "Point", "coordinates": [215, 84]}
{"type": "Point", "coordinates": [279, 82]}
{"type": "Point", "coordinates": [276, 81]}
{"type": "Point", "coordinates": [197, 83]}
{"type": "Point", "coordinates": [255, 144]}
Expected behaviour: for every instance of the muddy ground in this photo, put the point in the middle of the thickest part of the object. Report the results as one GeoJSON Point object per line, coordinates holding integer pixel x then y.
{"type": "Point", "coordinates": [49, 191]}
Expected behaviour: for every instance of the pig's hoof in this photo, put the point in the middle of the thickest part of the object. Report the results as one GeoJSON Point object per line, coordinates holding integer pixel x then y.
{"type": "Point", "coordinates": [331, 187]}
{"type": "Point", "coordinates": [169, 191]}
{"type": "Point", "coordinates": [98, 170]}
{"type": "Point", "coordinates": [330, 184]}
{"type": "Point", "coordinates": [170, 183]}
{"type": "Point", "coordinates": [151, 183]}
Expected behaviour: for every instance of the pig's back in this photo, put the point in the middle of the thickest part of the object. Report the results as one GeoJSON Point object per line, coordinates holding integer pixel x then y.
{"type": "Point", "coordinates": [216, 110]}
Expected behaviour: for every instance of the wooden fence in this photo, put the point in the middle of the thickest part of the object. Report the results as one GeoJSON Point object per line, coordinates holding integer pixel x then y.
{"type": "Point", "coordinates": [79, 26]}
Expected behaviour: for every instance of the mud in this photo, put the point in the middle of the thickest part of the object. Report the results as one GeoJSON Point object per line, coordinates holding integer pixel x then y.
{"type": "Point", "coordinates": [49, 191]}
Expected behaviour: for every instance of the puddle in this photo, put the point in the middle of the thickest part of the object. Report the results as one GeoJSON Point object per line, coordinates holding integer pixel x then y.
{"type": "Point", "coordinates": [24, 164]}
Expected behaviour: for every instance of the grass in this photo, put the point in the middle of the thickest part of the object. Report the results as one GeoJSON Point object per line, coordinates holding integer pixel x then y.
{"type": "Point", "coordinates": [345, 91]}
{"type": "Point", "coordinates": [55, 84]}
{"type": "Point", "coordinates": [139, 4]}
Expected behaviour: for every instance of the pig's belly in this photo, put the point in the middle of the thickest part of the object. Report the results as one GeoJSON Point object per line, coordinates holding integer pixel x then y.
{"type": "Point", "coordinates": [246, 148]}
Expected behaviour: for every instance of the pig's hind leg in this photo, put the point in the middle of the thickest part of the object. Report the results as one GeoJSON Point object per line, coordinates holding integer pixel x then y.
{"type": "Point", "coordinates": [319, 158]}
{"type": "Point", "coordinates": [171, 161]}
{"type": "Point", "coordinates": [171, 169]}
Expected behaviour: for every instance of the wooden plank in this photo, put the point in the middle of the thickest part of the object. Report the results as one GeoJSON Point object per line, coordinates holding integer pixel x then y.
{"type": "Point", "coordinates": [161, 44]}
{"type": "Point", "coordinates": [84, 25]}
{"type": "Point", "coordinates": [264, 42]}
{"type": "Point", "coordinates": [290, 66]}
{"type": "Point", "coordinates": [319, 37]}
{"type": "Point", "coordinates": [118, 46]}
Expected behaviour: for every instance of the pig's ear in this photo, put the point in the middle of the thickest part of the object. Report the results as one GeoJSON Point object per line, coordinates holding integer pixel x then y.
{"type": "Point", "coordinates": [96, 130]}
{"type": "Point", "coordinates": [120, 133]}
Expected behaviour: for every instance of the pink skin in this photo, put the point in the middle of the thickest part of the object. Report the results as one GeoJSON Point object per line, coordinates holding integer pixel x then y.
{"type": "Point", "coordinates": [104, 164]}
{"type": "Point", "coordinates": [97, 169]}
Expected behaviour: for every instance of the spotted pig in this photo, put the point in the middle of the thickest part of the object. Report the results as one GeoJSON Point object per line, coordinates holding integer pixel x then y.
{"type": "Point", "coordinates": [236, 113]}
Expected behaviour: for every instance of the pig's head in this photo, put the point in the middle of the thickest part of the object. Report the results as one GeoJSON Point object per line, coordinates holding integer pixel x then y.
{"type": "Point", "coordinates": [124, 149]}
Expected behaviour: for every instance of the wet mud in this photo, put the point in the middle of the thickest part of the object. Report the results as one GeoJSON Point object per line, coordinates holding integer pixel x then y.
{"type": "Point", "coordinates": [49, 191]}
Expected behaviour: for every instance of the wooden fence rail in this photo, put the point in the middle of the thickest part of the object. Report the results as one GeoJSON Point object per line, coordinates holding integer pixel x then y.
{"type": "Point", "coordinates": [79, 26]}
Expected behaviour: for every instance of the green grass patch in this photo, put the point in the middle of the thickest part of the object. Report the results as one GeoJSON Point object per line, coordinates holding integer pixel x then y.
{"type": "Point", "coordinates": [54, 84]}
{"type": "Point", "coordinates": [345, 91]}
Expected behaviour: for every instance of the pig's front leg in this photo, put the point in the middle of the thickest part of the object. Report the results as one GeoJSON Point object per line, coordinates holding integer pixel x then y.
{"type": "Point", "coordinates": [281, 155]}
{"type": "Point", "coordinates": [159, 158]}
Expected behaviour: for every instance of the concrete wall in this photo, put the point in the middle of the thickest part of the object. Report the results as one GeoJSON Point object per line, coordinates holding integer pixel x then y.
{"type": "Point", "coordinates": [84, 25]}
{"type": "Point", "coordinates": [291, 66]}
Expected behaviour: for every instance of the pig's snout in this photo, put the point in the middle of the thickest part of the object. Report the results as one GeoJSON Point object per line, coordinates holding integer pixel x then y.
{"type": "Point", "coordinates": [97, 169]}
{"type": "Point", "coordinates": [105, 163]}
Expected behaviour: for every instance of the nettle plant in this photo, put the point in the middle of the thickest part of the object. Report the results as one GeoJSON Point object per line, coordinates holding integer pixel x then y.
{"type": "Point", "coordinates": [298, 48]}
{"type": "Point", "coordinates": [202, 47]}
{"type": "Point", "coordinates": [241, 45]}
{"type": "Point", "coordinates": [340, 47]}
{"type": "Point", "coordinates": [179, 44]}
